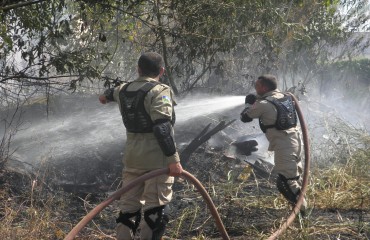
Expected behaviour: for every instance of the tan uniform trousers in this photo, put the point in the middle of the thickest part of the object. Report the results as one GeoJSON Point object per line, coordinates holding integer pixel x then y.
{"type": "Point", "coordinates": [287, 164]}
{"type": "Point", "coordinates": [287, 157]}
{"type": "Point", "coordinates": [149, 194]}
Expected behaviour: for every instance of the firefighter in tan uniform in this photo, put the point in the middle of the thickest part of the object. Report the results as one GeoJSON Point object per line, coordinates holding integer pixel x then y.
{"type": "Point", "coordinates": [147, 111]}
{"type": "Point", "coordinates": [278, 120]}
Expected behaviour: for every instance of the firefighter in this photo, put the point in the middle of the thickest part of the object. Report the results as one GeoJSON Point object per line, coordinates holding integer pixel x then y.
{"type": "Point", "coordinates": [147, 109]}
{"type": "Point", "coordinates": [278, 120]}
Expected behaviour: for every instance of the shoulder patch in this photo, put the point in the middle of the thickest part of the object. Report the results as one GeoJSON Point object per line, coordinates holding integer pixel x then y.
{"type": "Point", "coordinates": [166, 99]}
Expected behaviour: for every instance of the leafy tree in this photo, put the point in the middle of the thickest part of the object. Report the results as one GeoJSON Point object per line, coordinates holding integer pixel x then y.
{"type": "Point", "coordinates": [35, 50]}
{"type": "Point", "coordinates": [208, 43]}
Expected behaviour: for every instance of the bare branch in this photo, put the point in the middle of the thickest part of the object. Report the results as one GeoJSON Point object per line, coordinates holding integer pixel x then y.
{"type": "Point", "coordinates": [20, 4]}
{"type": "Point", "coordinates": [202, 137]}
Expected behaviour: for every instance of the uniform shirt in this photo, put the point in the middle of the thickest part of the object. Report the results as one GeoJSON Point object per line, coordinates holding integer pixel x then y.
{"type": "Point", "coordinates": [267, 113]}
{"type": "Point", "coordinates": [142, 150]}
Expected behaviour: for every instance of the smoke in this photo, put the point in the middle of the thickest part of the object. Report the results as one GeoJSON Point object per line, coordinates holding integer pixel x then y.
{"type": "Point", "coordinates": [336, 118]}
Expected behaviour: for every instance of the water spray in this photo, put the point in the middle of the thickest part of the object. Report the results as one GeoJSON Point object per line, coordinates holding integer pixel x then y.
{"type": "Point", "coordinates": [116, 195]}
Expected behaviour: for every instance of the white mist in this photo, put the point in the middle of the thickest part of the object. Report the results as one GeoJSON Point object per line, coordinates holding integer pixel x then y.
{"type": "Point", "coordinates": [93, 127]}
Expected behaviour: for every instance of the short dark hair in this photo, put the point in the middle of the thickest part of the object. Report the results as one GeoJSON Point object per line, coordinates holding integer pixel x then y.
{"type": "Point", "coordinates": [269, 81]}
{"type": "Point", "coordinates": [150, 64]}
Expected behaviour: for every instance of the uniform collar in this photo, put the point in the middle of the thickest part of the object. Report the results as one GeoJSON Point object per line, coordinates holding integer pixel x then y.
{"type": "Point", "coordinates": [271, 93]}
{"type": "Point", "coordinates": [147, 79]}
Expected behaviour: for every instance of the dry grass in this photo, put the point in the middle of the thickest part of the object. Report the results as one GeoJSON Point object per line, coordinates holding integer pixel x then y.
{"type": "Point", "coordinates": [338, 196]}
{"type": "Point", "coordinates": [30, 214]}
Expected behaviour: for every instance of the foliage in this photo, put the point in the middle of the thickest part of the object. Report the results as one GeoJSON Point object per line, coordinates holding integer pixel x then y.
{"type": "Point", "coordinates": [206, 43]}
{"type": "Point", "coordinates": [56, 44]}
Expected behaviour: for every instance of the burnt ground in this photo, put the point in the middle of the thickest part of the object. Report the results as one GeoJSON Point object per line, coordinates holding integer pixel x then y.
{"type": "Point", "coordinates": [250, 206]}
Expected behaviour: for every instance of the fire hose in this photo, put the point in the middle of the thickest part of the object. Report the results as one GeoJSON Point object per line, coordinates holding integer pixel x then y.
{"type": "Point", "coordinates": [298, 205]}
{"type": "Point", "coordinates": [116, 195]}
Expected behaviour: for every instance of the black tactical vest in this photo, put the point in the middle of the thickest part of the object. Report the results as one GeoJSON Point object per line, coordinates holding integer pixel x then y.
{"type": "Point", "coordinates": [134, 116]}
{"type": "Point", "coordinates": [286, 114]}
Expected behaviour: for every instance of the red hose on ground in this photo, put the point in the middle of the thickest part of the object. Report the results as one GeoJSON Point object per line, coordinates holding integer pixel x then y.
{"type": "Point", "coordinates": [297, 207]}
{"type": "Point", "coordinates": [116, 195]}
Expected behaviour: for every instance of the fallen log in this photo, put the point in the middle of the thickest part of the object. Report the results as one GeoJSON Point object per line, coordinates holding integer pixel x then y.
{"type": "Point", "coordinates": [201, 138]}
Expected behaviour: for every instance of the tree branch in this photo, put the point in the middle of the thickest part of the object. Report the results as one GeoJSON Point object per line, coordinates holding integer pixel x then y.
{"type": "Point", "coordinates": [20, 4]}
{"type": "Point", "coordinates": [35, 78]}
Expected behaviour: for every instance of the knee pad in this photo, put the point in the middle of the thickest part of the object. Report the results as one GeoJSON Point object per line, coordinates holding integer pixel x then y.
{"type": "Point", "coordinates": [126, 219]}
{"type": "Point", "coordinates": [157, 219]}
{"type": "Point", "coordinates": [284, 188]}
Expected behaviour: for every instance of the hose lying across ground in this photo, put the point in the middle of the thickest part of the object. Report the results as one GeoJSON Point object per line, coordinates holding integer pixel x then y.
{"type": "Point", "coordinates": [116, 195]}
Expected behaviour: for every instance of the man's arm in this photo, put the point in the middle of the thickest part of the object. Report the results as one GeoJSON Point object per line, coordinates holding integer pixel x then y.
{"type": "Point", "coordinates": [161, 111]}
{"type": "Point", "coordinates": [244, 116]}
{"type": "Point", "coordinates": [250, 99]}
{"type": "Point", "coordinates": [164, 133]}
{"type": "Point", "coordinates": [107, 96]}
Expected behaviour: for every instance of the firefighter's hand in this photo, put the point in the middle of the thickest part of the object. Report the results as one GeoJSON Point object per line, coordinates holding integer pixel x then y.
{"type": "Point", "coordinates": [244, 116]}
{"type": "Point", "coordinates": [250, 99]}
{"type": "Point", "coordinates": [175, 169]}
{"type": "Point", "coordinates": [103, 99]}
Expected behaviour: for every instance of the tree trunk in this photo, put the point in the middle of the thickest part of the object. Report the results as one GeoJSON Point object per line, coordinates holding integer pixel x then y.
{"type": "Point", "coordinates": [164, 50]}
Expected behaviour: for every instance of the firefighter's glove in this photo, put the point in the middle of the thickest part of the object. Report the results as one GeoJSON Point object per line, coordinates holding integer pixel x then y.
{"type": "Point", "coordinates": [250, 99]}
{"type": "Point", "coordinates": [244, 117]}
{"type": "Point", "coordinates": [109, 94]}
